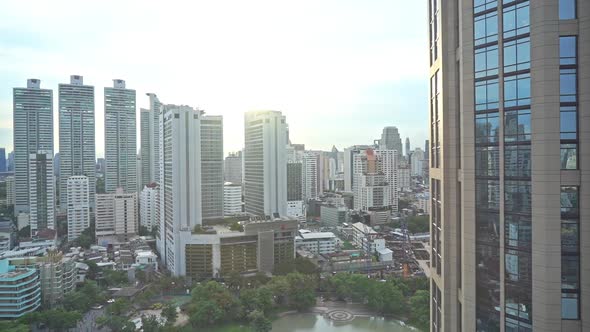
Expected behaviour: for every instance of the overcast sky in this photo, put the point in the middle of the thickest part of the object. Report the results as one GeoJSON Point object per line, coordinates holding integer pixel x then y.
{"type": "Point", "coordinates": [340, 70]}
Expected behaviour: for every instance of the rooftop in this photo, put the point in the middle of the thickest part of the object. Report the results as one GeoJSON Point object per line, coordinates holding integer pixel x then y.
{"type": "Point", "coordinates": [317, 235]}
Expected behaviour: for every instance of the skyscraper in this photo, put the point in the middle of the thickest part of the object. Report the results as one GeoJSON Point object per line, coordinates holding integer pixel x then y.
{"type": "Point", "coordinates": [78, 205]}
{"type": "Point", "coordinates": [212, 166]}
{"type": "Point", "coordinates": [180, 176]}
{"type": "Point", "coordinates": [120, 138]}
{"type": "Point", "coordinates": [2, 160]}
{"type": "Point", "coordinates": [150, 141]}
{"type": "Point", "coordinates": [148, 206]}
{"type": "Point", "coordinates": [233, 168]}
{"type": "Point", "coordinates": [390, 140]}
{"type": "Point", "coordinates": [416, 162]}
{"type": "Point", "coordinates": [33, 131]}
{"type": "Point", "coordinates": [311, 175]}
{"type": "Point", "coordinates": [509, 181]}
{"type": "Point", "coordinates": [41, 191]}
{"type": "Point", "coordinates": [76, 136]}
{"type": "Point", "coordinates": [265, 163]}
{"type": "Point", "coordinates": [408, 147]}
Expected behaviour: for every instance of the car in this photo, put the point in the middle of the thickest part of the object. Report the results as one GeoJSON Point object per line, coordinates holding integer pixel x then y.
{"type": "Point", "coordinates": [111, 301]}
{"type": "Point", "coordinates": [97, 307]}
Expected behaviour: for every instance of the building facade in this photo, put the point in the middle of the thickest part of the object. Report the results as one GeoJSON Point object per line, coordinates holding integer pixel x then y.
{"type": "Point", "coordinates": [509, 185]}
{"type": "Point", "coordinates": [149, 201]}
{"type": "Point", "coordinates": [150, 141]}
{"type": "Point", "coordinates": [116, 217]}
{"type": "Point", "coordinates": [212, 166]}
{"type": "Point", "coordinates": [24, 288]}
{"type": "Point", "coordinates": [78, 205]}
{"type": "Point", "coordinates": [391, 140]}
{"type": "Point", "coordinates": [180, 177]}
{"type": "Point", "coordinates": [41, 191]}
{"type": "Point", "coordinates": [319, 243]}
{"type": "Point", "coordinates": [120, 132]}
{"type": "Point", "coordinates": [32, 131]}
{"type": "Point", "coordinates": [265, 163]}
{"type": "Point", "coordinates": [232, 199]}
{"type": "Point", "coordinates": [76, 136]}
{"type": "Point", "coordinates": [233, 168]}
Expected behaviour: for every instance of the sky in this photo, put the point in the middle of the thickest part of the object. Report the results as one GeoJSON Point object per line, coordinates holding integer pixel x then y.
{"type": "Point", "coordinates": [340, 70]}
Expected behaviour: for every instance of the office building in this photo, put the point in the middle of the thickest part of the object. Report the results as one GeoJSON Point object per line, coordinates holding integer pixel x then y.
{"type": "Point", "coordinates": [349, 158]}
{"type": "Point", "coordinates": [509, 110]}
{"type": "Point", "coordinates": [371, 189]}
{"type": "Point", "coordinates": [233, 168]}
{"type": "Point", "coordinates": [41, 191]}
{"type": "Point", "coordinates": [295, 202]}
{"type": "Point", "coordinates": [150, 141]}
{"type": "Point", "coordinates": [120, 131]}
{"type": "Point", "coordinates": [180, 177]}
{"type": "Point", "coordinates": [33, 131]}
{"type": "Point", "coordinates": [311, 175]}
{"type": "Point", "coordinates": [10, 190]}
{"type": "Point", "coordinates": [333, 216]}
{"type": "Point", "coordinates": [416, 162]}
{"type": "Point", "coordinates": [319, 243]}
{"type": "Point", "coordinates": [10, 162]}
{"type": "Point", "coordinates": [76, 136]}
{"type": "Point", "coordinates": [3, 160]}
{"type": "Point", "coordinates": [116, 217]}
{"type": "Point", "coordinates": [232, 199]}
{"type": "Point", "coordinates": [265, 163]}
{"type": "Point", "coordinates": [23, 286]}
{"type": "Point", "coordinates": [259, 248]}
{"type": "Point", "coordinates": [149, 202]}
{"type": "Point", "coordinates": [211, 166]}
{"type": "Point", "coordinates": [78, 205]}
{"type": "Point", "coordinates": [408, 147]}
{"type": "Point", "coordinates": [388, 165]}
{"type": "Point", "coordinates": [390, 140]}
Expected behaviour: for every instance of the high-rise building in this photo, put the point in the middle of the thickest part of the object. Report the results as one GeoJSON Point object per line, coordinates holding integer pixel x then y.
{"type": "Point", "coordinates": [408, 147]}
{"type": "Point", "coordinates": [265, 163]}
{"type": "Point", "coordinates": [24, 287]}
{"type": "Point", "coordinates": [371, 189]}
{"type": "Point", "coordinates": [116, 217]}
{"type": "Point", "coordinates": [150, 141]}
{"type": "Point", "coordinates": [416, 162]}
{"type": "Point", "coordinates": [311, 175]}
{"type": "Point", "coordinates": [2, 160]}
{"type": "Point", "coordinates": [390, 140]}
{"type": "Point", "coordinates": [148, 206]}
{"type": "Point", "coordinates": [349, 157]}
{"type": "Point", "coordinates": [33, 131]}
{"type": "Point", "coordinates": [388, 165]}
{"type": "Point", "coordinates": [120, 138]}
{"type": "Point", "coordinates": [510, 183]}
{"type": "Point", "coordinates": [76, 136]}
{"type": "Point", "coordinates": [41, 191]}
{"type": "Point", "coordinates": [232, 199]}
{"type": "Point", "coordinates": [10, 162]}
{"type": "Point", "coordinates": [233, 168]}
{"type": "Point", "coordinates": [211, 166]}
{"type": "Point", "coordinates": [78, 205]}
{"type": "Point", "coordinates": [180, 177]}
{"type": "Point", "coordinates": [10, 190]}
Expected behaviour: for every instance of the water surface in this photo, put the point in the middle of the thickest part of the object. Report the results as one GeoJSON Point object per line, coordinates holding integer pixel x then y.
{"type": "Point", "coordinates": [319, 323]}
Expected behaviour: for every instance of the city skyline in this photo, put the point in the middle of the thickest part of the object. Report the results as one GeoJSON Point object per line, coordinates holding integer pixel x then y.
{"type": "Point", "coordinates": [295, 73]}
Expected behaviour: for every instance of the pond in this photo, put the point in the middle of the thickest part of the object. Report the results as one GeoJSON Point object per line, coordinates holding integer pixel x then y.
{"type": "Point", "coordinates": [319, 323]}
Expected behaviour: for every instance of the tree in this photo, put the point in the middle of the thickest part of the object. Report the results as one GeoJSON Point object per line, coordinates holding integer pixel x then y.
{"type": "Point", "coordinates": [258, 322]}
{"type": "Point", "coordinates": [299, 264]}
{"type": "Point", "coordinates": [86, 238]}
{"type": "Point", "coordinates": [150, 323]}
{"type": "Point", "coordinates": [13, 326]}
{"type": "Point", "coordinates": [260, 299]}
{"type": "Point", "coordinates": [55, 319]}
{"type": "Point", "coordinates": [84, 298]}
{"type": "Point", "coordinates": [420, 311]}
{"type": "Point", "coordinates": [118, 307]}
{"type": "Point", "coordinates": [93, 270]}
{"type": "Point", "coordinates": [115, 278]}
{"type": "Point", "coordinates": [419, 224]}
{"type": "Point", "coordinates": [169, 312]}
{"type": "Point", "coordinates": [210, 302]}
{"type": "Point", "coordinates": [235, 226]}
{"type": "Point", "coordinates": [301, 291]}
{"type": "Point", "coordinates": [116, 323]}
{"type": "Point", "coordinates": [143, 231]}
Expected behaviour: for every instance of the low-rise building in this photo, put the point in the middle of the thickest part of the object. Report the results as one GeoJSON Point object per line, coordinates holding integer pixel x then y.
{"type": "Point", "coordinates": [116, 217]}
{"type": "Point", "coordinates": [332, 216]}
{"type": "Point", "coordinates": [20, 290]}
{"type": "Point", "coordinates": [7, 235]}
{"type": "Point", "coordinates": [319, 243]}
{"type": "Point", "coordinates": [366, 238]}
{"type": "Point", "coordinates": [146, 258]}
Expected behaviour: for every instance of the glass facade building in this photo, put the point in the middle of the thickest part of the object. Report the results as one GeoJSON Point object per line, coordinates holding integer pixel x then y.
{"type": "Point", "coordinates": [507, 98]}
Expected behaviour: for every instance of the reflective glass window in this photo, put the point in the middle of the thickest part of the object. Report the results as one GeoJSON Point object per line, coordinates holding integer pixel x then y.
{"type": "Point", "coordinates": [486, 28]}
{"type": "Point", "coordinates": [517, 126]}
{"type": "Point", "coordinates": [567, 9]}
{"type": "Point", "coordinates": [486, 95]}
{"type": "Point", "coordinates": [516, 19]}
{"type": "Point", "coordinates": [517, 55]}
{"type": "Point", "coordinates": [517, 90]}
{"type": "Point", "coordinates": [486, 61]}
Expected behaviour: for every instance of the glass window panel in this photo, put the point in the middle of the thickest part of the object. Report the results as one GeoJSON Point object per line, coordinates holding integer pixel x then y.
{"type": "Point", "coordinates": [517, 90]}
{"type": "Point", "coordinates": [483, 5]}
{"type": "Point", "coordinates": [516, 19]}
{"type": "Point", "coordinates": [569, 156]}
{"type": "Point", "coordinates": [486, 28]}
{"type": "Point", "coordinates": [568, 125]}
{"type": "Point", "coordinates": [570, 303]}
{"type": "Point", "coordinates": [517, 161]}
{"type": "Point", "coordinates": [570, 272]}
{"type": "Point", "coordinates": [567, 85]}
{"type": "Point", "coordinates": [486, 95]}
{"type": "Point", "coordinates": [487, 161]}
{"type": "Point", "coordinates": [570, 238]}
{"type": "Point", "coordinates": [488, 194]}
{"type": "Point", "coordinates": [567, 50]}
{"type": "Point", "coordinates": [517, 197]}
{"type": "Point", "coordinates": [569, 202]}
{"type": "Point", "coordinates": [567, 9]}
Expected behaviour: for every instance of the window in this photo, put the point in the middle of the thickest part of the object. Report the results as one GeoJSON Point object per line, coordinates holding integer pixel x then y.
{"type": "Point", "coordinates": [517, 161]}
{"type": "Point", "coordinates": [517, 197]}
{"type": "Point", "coordinates": [486, 28]}
{"type": "Point", "coordinates": [434, 12]}
{"type": "Point", "coordinates": [487, 128]}
{"type": "Point", "coordinates": [567, 50]}
{"type": "Point", "coordinates": [516, 20]}
{"type": "Point", "coordinates": [517, 126]}
{"type": "Point", "coordinates": [517, 90]}
{"type": "Point", "coordinates": [568, 115]}
{"type": "Point", "coordinates": [487, 194]}
{"type": "Point", "coordinates": [517, 55]}
{"type": "Point", "coordinates": [570, 253]}
{"type": "Point", "coordinates": [487, 161]}
{"type": "Point", "coordinates": [569, 156]}
{"type": "Point", "coordinates": [517, 232]}
{"type": "Point", "coordinates": [567, 85]}
{"type": "Point", "coordinates": [486, 61]}
{"type": "Point", "coordinates": [483, 5]}
{"type": "Point", "coordinates": [568, 123]}
{"type": "Point", "coordinates": [567, 9]}
{"type": "Point", "coordinates": [486, 95]}
{"type": "Point", "coordinates": [488, 228]}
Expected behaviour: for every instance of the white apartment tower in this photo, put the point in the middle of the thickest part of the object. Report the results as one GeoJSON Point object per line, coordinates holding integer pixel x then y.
{"type": "Point", "coordinates": [212, 166]}
{"type": "Point", "coordinates": [150, 141]}
{"type": "Point", "coordinates": [232, 199]}
{"type": "Point", "coordinates": [148, 206]}
{"type": "Point", "coordinates": [311, 175]}
{"type": "Point", "coordinates": [233, 168]}
{"type": "Point", "coordinates": [116, 217]}
{"type": "Point", "coordinates": [120, 138]}
{"type": "Point", "coordinates": [41, 191]}
{"type": "Point", "coordinates": [389, 166]}
{"type": "Point", "coordinates": [78, 205]}
{"type": "Point", "coordinates": [76, 136]}
{"type": "Point", "coordinates": [265, 163]}
{"type": "Point", "coordinates": [416, 162]}
{"type": "Point", "coordinates": [180, 177]}
{"type": "Point", "coordinates": [32, 132]}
